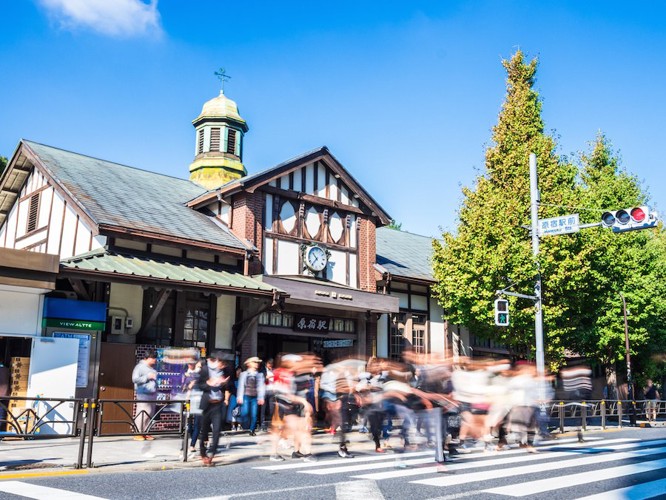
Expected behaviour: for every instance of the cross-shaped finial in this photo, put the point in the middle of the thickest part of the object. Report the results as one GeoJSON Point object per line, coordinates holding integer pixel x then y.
{"type": "Point", "coordinates": [221, 75]}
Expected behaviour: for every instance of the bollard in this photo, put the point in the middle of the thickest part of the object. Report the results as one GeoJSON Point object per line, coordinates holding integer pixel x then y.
{"type": "Point", "coordinates": [91, 430]}
{"type": "Point", "coordinates": [619, 414]}
{"type": "Point", "coordinates": [82, 436]}
{"type": "Point", "coordinates": [561, 409]}
{"type": "Point", "coordinates": [186, 428]}
{"type": "Point", "coordinates": [603, 414]}
{"type": "Point", "coordinates": [436, 414]}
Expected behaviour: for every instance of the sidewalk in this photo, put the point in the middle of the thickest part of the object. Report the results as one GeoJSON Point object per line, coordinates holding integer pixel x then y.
{"type": "Point", "coordinates": [123, 453]}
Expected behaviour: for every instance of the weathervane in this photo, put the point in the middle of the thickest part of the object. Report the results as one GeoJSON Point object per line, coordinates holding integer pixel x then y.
{"type": "Point", "coordinates": [221, 75]}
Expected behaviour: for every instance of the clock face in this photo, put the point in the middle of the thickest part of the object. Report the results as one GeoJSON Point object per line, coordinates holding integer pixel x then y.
{"type": "Point", "coordinates": [315, 258]}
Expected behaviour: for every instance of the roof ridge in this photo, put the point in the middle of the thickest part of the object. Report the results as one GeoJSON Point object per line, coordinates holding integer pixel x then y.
{"type": "Point", "coordinates": [28, 141]}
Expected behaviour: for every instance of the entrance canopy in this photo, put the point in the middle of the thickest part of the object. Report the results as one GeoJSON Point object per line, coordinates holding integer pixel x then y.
{"type": "Point", "coordinates": [318, 293]}
{"type": "Point", "coordinates": [106, 265]}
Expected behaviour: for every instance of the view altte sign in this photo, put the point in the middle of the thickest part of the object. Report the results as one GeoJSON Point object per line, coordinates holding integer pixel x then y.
{"type": "Point", "coordinates": [564, 224]}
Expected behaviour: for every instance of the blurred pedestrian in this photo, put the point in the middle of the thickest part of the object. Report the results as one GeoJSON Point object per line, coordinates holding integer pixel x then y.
{"type": "Point", "coordinates": [214, 384]}
{"type": "Point", "coordinates": [250, 393]}
{"type": "Point", "coordinates": [652, 397]}
{"type": "Point", "coordinates": [193, 394]}
{"type": "Point", "coordinates": [144, 377]}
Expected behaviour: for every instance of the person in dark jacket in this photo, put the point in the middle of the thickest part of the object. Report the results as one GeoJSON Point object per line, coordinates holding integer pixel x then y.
{"type": "Point", "coordinates": [214, 385]}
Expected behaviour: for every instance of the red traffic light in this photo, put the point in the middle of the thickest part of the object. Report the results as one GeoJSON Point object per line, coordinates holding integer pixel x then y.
{"type": "Point", "coordinates": [638, 214]}
{"type": "Point", "coordinates": [629, 219]}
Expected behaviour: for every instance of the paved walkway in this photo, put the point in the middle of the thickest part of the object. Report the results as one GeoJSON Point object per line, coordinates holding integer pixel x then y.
{"type": "Point", "coordinates": [123, 453]}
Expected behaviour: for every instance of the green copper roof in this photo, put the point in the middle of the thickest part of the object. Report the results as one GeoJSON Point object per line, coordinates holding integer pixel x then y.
{"type": "Point", "coordinates": [405, 254]}
{"type": "Point", "coordinates": [169, 272]}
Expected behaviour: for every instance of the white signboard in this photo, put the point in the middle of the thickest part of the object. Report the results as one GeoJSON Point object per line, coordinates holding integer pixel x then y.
{"type": "Point", "coordinates": [84, 355]}
{"type": "Point", "coordinates": [338, 343]}
{"type": "Point", "coordinates": [559, 225]}
{"type": "Point", "coordinates": [53, 375]}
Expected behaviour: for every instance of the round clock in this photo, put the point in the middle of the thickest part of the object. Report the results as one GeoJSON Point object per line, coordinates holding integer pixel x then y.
{"type": "Point", "coordinates": [315, 258]}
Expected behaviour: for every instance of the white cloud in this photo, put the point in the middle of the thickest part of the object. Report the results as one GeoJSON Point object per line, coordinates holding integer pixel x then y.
{"type": "Point", "coordinates": [120, 18]}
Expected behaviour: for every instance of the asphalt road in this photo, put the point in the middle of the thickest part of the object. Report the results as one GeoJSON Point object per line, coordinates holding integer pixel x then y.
{"type": "Point", "coordinates": [630, 463]}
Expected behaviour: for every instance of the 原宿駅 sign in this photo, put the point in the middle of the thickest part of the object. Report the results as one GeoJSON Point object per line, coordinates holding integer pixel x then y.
{"type": "Point", "coordinates": [564, 224]}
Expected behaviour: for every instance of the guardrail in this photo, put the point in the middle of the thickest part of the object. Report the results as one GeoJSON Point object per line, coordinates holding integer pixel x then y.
{"type": "Point", "coordinates": [153, 426]}
{"type": "Point", "coordinates": [605, 410]}
{"type": "Point", "coordinates": [54, 418]}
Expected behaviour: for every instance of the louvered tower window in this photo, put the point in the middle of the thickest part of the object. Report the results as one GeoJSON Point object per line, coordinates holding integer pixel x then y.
{"type": "Point", "coordinates": [33, 212]}
{"type": "Point", "coordinates": [200, 141]}
{"type": "Point", "coordinates": [214, 139]}
{"type": "Point", "coordinates": [231, 142]}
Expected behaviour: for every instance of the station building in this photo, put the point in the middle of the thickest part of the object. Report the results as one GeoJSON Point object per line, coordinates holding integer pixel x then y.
{"type": "Point", "coordinates": [293, 258]}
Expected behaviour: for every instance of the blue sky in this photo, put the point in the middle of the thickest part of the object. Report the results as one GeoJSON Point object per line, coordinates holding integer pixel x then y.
{"type": "Point", "coordinates": [403, 93]}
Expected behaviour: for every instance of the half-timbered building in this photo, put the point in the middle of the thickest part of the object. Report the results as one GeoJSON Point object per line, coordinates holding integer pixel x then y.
{"type": "Point", "coordinates": [286, 259]}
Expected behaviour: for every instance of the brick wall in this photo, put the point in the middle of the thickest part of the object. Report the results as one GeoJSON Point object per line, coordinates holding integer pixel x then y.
{"type": "Point", "coordinates": [367, 254]}
{"type": "Point", "coordinates": [246, 223]}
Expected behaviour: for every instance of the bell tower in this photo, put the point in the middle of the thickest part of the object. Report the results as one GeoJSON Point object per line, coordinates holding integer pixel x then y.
{"type": "Point", "coordinates": [218, 153]}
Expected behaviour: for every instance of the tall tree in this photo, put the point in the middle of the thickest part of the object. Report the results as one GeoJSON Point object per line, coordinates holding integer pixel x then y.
{"type": "Point", "coordinates": [491, 248]}
{"type": "Point", "coordinates": [632, 264]}
{"type": "Point", "coordinates": [3, 164]}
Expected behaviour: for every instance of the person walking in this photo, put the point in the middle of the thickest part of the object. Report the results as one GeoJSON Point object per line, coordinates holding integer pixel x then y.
{"type": "Point", "coordinates": [144, 377]}
{"type": "Point", "coordinates": [251, 392]}
{"type": "Point", "coordinates": [193, 394]}
{"type": "Point", "coordinates": [652, 397]}
{"type": "Point", "coordinates": [214, 385]}
{"type": "Point", "coordinates": [269, 397]}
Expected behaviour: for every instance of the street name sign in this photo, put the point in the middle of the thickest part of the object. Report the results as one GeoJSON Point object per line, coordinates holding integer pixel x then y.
{"type": "Point", "coordinates": [564, 224]}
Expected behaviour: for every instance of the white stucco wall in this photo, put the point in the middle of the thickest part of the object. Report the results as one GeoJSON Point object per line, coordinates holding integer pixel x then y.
{"type": "Point", "coordinates": [21, 310]}
{"type": "Point", "coordinates": [437, 327]}
{"type": "Point", "coordinates": [226, 317]}
{"type": "Point", "coordinates": [130, 298]}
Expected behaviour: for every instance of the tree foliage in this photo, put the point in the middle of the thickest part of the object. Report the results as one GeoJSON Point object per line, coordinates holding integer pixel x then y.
{"type": "Point", "coordinates": [3, 164]}
{"type": "Point", "coordinates": [582, 274]}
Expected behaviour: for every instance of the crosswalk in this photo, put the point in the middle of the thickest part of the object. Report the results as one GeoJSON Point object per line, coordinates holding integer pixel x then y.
{"type": "Point", "coordinates": [563, 467]}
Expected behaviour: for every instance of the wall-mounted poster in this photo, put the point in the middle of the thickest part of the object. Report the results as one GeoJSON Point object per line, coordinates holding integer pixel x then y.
{"type": "Point", "coordinates": [84, 355]}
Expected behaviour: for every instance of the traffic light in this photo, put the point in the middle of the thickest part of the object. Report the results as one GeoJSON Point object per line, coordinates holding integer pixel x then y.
{"type": "Point", "coordinates": [502, 312]}
{"type": "Point", "coordinates": [629, 219]}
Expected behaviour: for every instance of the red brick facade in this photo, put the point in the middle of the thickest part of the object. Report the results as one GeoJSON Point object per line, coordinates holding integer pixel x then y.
{"type": "Point", "coordinates": [246, 223]}
{"type": "Point", "coordinates": [367, 252]}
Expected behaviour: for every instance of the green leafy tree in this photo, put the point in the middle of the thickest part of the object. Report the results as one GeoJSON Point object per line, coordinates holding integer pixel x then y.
{"type": "Point", "coordinates": [491, 248]}
{"type": "Point", "coordinates": [3, 164]}
{"type": "Point", "coordinates": [632, 264]}
{"type": "Point", "coordinates": [582, 274]}
{"type": "Point", "coordinates": [395, 225]}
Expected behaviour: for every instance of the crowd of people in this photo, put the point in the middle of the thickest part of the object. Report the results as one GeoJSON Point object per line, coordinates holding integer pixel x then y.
{"type": "Point", "coordinates": [449, 406]}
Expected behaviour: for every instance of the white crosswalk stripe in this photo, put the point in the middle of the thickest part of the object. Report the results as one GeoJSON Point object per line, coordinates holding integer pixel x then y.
{"type": "Point", "coordinates": [28, 490]}
{"type": "Point", "coordinates": [504, 457]}
{"type": "Point", "coordinates": [525, 471]}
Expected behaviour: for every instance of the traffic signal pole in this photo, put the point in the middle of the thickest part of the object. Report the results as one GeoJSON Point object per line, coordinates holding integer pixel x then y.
{"type": "Point", "coordinates": [538, 317]}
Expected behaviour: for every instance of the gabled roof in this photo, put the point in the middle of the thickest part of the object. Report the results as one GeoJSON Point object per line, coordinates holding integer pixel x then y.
{"type": "Point", "coordinates": [251, 182]}
{"type": "Point", "coordinates": [163, 271]}
{"type": "Point", "coordinates": [119, 198]}
{"type": "Point", "coordinates": [404, 254]}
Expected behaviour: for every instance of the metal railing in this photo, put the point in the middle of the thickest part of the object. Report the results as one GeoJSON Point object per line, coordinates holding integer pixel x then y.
{"type": "Point", "coordinates": [140, 424]}
{"type": "Point", "coordinates": [606, 411]}
{"type": "Point", "coordinates": [54, 418]}
{"type": "Point", "coordinates": [40, 417]}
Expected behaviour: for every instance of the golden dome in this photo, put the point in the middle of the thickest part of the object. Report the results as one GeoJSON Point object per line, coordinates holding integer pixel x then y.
{"type": "Point", "coordinates": [220, 107]}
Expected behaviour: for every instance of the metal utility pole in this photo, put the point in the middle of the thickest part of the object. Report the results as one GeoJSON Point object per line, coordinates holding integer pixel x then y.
{"type": "Point", "coordinates": [630, 382]}
{"type": "Point", "coordinates": [535, 198]}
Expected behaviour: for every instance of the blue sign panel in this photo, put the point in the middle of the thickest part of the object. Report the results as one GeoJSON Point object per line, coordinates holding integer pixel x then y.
{"type": "Point", "coordinates": [74, 309]}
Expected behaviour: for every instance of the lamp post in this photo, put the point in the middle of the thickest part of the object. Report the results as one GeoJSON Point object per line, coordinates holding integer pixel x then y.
{"type": "Point", "coordinates": [630, 383]}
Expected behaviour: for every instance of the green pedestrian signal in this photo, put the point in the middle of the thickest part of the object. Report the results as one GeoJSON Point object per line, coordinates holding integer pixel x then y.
{"type": "Point", "coordinates": [502, 312]}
